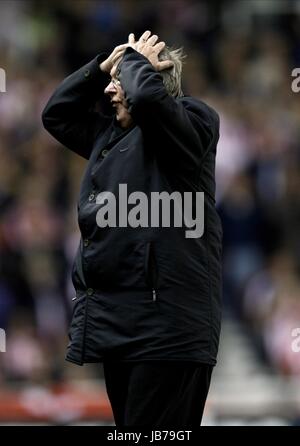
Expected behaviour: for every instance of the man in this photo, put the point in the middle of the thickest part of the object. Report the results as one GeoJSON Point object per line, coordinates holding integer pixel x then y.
{"type": "Point", "coordinates": [147, 296]}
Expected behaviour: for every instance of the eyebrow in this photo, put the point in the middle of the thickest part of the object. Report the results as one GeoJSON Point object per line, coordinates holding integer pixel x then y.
{"type": "Point", "coordinates": [114, 78]}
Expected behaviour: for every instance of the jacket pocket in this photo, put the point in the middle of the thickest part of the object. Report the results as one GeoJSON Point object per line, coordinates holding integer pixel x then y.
{"type": "Point", "coordinates": [151, 270]}
{"type": "Point", "coordinates": [77, 270]}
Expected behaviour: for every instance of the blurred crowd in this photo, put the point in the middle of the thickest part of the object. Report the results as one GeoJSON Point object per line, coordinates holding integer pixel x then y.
{"type": "Point", "coordinates": [239, 60]}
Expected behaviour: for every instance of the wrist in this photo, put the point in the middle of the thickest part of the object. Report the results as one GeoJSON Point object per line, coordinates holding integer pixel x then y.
{"type": "Point", "coordinates": [102, 62]}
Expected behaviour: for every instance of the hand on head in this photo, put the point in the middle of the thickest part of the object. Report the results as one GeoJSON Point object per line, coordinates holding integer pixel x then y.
{"type": "Point", "coordinates": [150, 47]}
{"type": "Point", "coordinates": [147, 45]}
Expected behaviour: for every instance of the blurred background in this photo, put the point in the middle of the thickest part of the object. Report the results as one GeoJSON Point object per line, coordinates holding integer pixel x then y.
{"type": "Point", "coordinates": [240, 58]}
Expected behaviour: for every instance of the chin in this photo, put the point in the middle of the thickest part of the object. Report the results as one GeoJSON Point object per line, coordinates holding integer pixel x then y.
{"type": "Point", "coordinates": [123, 119]}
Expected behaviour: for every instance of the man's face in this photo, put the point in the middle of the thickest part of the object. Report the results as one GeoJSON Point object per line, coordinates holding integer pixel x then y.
{"type": "Point", "coordinates": [117, 98]}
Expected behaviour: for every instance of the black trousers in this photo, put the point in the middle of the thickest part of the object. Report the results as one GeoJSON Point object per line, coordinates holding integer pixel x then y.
{"type": "Point", "coordinates": [157, 394]}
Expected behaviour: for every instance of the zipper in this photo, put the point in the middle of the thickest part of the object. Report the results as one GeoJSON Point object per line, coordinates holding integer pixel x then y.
{"type": "Point", "coordinates": [151, 271]}
{"type": "Point", "coordinates": [154, 294]}
{"type": "Point", "coordinates": [78, 295]}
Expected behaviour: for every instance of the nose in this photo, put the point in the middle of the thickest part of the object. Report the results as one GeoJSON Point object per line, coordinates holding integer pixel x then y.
{"type": "Point", "coordinates": [110, 89]}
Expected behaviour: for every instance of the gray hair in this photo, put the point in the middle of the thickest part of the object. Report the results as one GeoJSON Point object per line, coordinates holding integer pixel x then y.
{"type": "Point", "coordinates": [172, 76]}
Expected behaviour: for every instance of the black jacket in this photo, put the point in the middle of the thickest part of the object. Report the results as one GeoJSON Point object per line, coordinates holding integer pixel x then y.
{"type": "Point", "coordinates": [142, 293]}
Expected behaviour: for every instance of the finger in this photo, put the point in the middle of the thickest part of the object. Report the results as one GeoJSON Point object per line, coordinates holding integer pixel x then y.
{"type": "Point", "coordinates": [164, 64]}
{"type": "Point", "coordinates": [119, 50]}
{"type": "Point", "coordinates": [153, 39]}
{"type": "Point", "coordinates": [159, 47]}
{"type": "Point", "coordinates": [145, 36]}
{"type": "Point", "coordinates": [120, 47]}
{"type": "Point", "coordinates": [117, 57]}
{"type": "Point", "coordinates": [131, 38]}
{"type": "Point", "coordinates": [114, 69]}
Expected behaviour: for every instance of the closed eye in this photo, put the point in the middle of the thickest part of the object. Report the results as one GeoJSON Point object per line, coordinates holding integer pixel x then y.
{"type": "Point", "coordinates": [115, 82]}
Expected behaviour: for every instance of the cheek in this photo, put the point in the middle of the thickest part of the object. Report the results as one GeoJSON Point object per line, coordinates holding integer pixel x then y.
{"type": "Point", "coordinates": [121, 94]}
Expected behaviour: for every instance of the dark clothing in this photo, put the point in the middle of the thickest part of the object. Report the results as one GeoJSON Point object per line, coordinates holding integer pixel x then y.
{"type": "Point", "coordinates": [147, 292]}
{"type": "Point", "coordinates": [157, 395]}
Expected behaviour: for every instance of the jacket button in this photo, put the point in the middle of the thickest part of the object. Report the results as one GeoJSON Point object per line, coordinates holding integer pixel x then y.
{"type": "Point", "coordinates": [86, 242]}
{"type": "Point", "coordinates": [91, 196]}
{"type": "Point", "coordinates": [104, 153]}
{"type": "Point", "coordinates": [87, 73]}
{"type": "Point", "coordinates": [90, 291]}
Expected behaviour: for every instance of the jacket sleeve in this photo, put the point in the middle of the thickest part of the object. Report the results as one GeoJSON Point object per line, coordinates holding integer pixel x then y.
{"type": "Point", "coordinates": [69, 114]}
{"type": "Point", "coordinates": [186, 129]}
